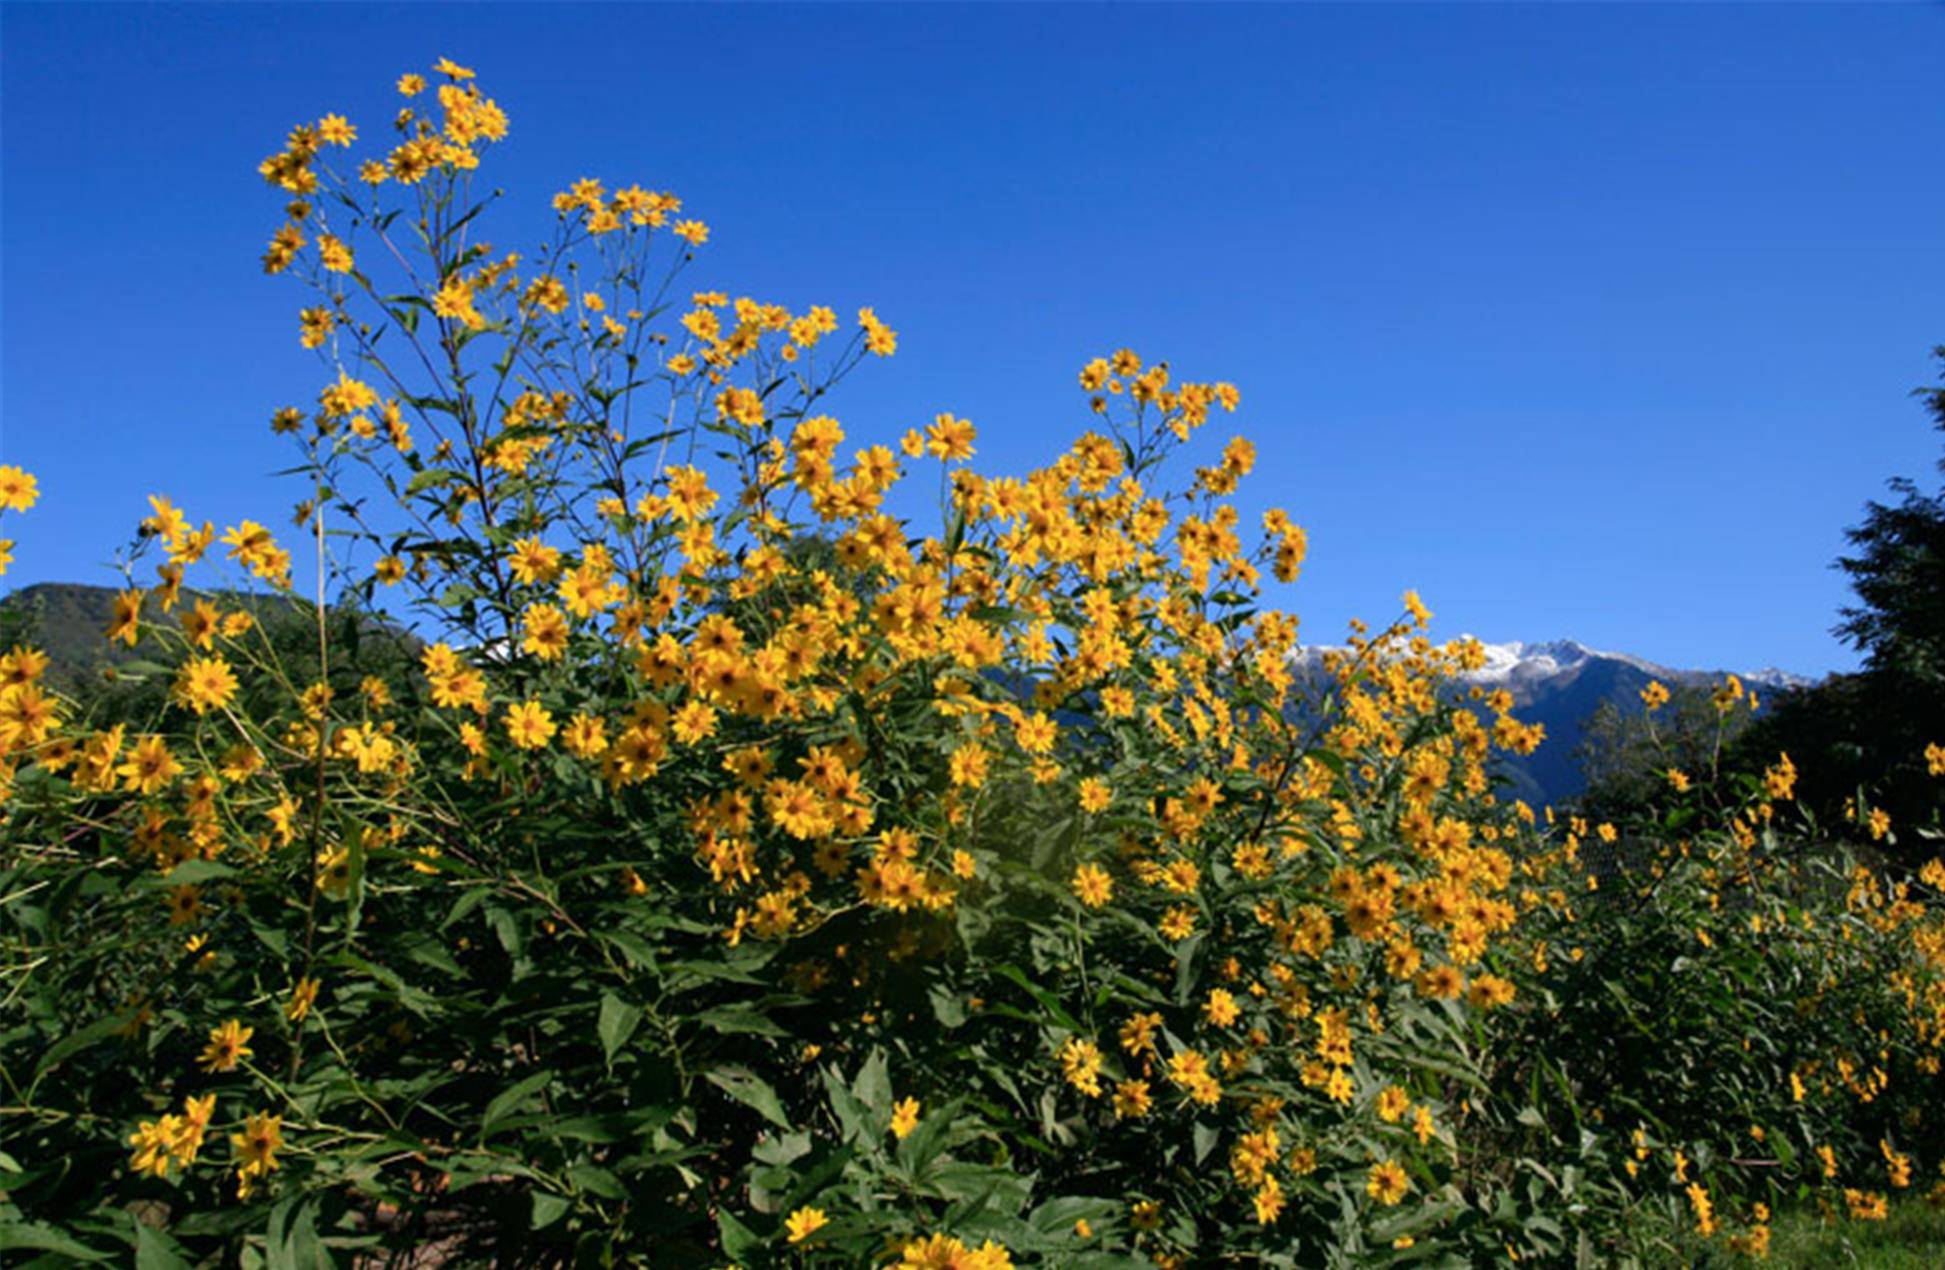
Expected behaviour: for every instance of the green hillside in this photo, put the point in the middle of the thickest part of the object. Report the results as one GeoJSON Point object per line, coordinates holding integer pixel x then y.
{"type": "Point", "coordinates": [69, 622]}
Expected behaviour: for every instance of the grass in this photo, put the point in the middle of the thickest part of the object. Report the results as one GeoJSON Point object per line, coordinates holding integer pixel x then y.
{"type": "Point", "coordinates": [1912, 1238]}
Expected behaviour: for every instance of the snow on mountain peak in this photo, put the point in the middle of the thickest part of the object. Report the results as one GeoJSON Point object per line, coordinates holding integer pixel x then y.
{"type": "Point", "coordinates": [1521, 661]}
{"type": "Point", "coordinates": [1518, 659]}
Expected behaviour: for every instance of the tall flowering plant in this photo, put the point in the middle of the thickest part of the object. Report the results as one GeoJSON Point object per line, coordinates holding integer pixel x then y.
{"type": "Point", "coordinates": [737, 871]}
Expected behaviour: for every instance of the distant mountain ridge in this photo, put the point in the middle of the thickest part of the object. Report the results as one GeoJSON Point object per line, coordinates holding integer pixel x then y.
{"type": "Point", "coordinates": [69, 622]}
{"type": "Point", "coordinates": [1516, 662]}
{"type": "Point", "coordinates": [1559, 683]}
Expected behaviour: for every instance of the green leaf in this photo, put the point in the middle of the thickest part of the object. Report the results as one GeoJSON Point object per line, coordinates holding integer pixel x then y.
{"type": "Point", "coordinates": [924, 1144]}
{"type": "Point", "coordinates": [548, 1209]}
{"type": "Point", "coordinates": [1185, 967]}
{"type": "Point", "coordinates": [752, 1091]}
{"type": "Point", "coordinates": [290, 1239]}
{"type": "Point", "coordinates": [196, 871]}
{"type": "Point", "coordinates": [1057, 1216]}
{"type": "Point", "coordinates": [466, 903]}
{"type": "Point", "coordinates": [741, 1020]}
{"type": "Point", "coordinates": [154, 1250]}
{"type": "Point", "coordinates": [430, 477]}
{"type": "Point", "coordinates": [948, 1008]}
{"type": "Point", "coordinates": [1047, 1000]}
{"type": "Point", "coordinates": [632, 946]}
{"type": "Point", "coordinates": [597, 1181]}
{"type": "Point", "coordinates": [510, 1100]}
{"type": "Point", "coordinates": [76, 1041]}
{"type": "Point", "coordinates": [740, 1243]}
{"type": "Point", "coordinates": [617, 1023]}
{"type": "Point", "coordinates": [850, 1113]}
{"type": "Point", "coordinates": [873, 1086]}
{"type": "Point", "coordinates": [1205, 1136]}
{"type": "Point", "coordinates": [21, 1237]}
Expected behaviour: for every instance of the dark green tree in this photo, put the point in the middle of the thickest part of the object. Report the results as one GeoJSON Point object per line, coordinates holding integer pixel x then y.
{"type": "Point", "coordinates": [1626, 752]}
{"type": "Point", "coordinates": [1898, 573]}
{"type": "Point", "coordinates": [1866, 733]}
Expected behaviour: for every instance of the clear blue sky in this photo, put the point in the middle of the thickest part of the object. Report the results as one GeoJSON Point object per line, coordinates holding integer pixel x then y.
{"type": "Point", "coordinates": [1586, 321]}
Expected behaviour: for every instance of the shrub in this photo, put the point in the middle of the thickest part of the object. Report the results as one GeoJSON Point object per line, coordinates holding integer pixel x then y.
{"type": "Point", "coordinates": [741, 876]}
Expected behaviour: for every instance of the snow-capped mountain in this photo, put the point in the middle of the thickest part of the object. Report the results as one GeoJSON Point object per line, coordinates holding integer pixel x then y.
{"type": "Point", "coordinates": [1519, 662]}
{"type": "Point", "coordinates": [1559, 683]}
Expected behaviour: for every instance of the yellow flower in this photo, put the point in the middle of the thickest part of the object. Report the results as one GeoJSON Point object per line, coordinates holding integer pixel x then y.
{"type": "Point", "coordinates": [315, 699]}
{"type": "Point", "coordinates": [967, 765]}
{"type": "Point", "coordinates": [1387, 1182]}
{"type": "Point", "coordinates": [256, 1147]}
{"type": "Point", "coordinates": [228, 1046]}
{"type": "Point", "coordinates": [335, 256]}
{"type": "Point", "coordinates": [149, 767]}
{"type": "Point", "coordinates": [154, 1142]}
{"type": "Point", "coordinates": [1177, 924]}
{"type": "Point", "coordinates": [206, 683]}
{"type": "Point", "coordinates": [1866, 1205]}
{"type": "Point", "coordinates": [190, 1127]}
{"type": "Point", "coordinates": [336, 130]}
{"type": "Point", "coordinates": [18, 489]}
{"type": "Point", "coordinates": [533, 561]}
{"type": "Point", "coordinates": [1268, 1201]}
{"type": "Point", "coordinates": [904, 1117]}
{"type": "Point", "coordinates": [695, 721]}
{"type": "Point", "coordinates": [1080, 1063]}
{"type": "Point", "coordinates": [1035, 734]}
{"type": "Point", "coordinates": [585, 736]}
{"type": "Point", "coordinates": [1138, 1033]}
{"type": "Point", "coordinates": [1489, 992]}
{"type": "Point", "coordinates": [529, 725]}
{"type": "Point", "coordinates": [544, 632]}
{"type": "Point", "coordinates": [879, 339]}
{"type": "Point", "coordinates": [303, 995]}
{"type": "Point", "coordinates": [127, 620]}
{"type": "Point", "coordinates": [943, 1252]}
{"type": "Point", "coordinates": [1220, 1009]}
{"type": "Point", "coordinates": [454, 300]}
{"type": "Point", "coordinates": [950, 439]}
{"type": "Point", "coordinates": [804, 1223]}
{"type": "Point", "coordinates": [1441, 983]}
{"type": "Point", "coordinates": [1092, 885]}
{"type": "Point", "coordinates": [1132, 1100]}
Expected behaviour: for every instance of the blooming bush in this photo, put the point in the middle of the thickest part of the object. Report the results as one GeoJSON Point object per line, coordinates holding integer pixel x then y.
{"type": "Point", "coordinates": [742, 875]}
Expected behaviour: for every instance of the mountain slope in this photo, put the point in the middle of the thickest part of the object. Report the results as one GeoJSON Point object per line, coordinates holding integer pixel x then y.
{"type": "Point", "coordinates": [69, 622]}
{"type": "Point", "coordinates": [1559, 684]}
